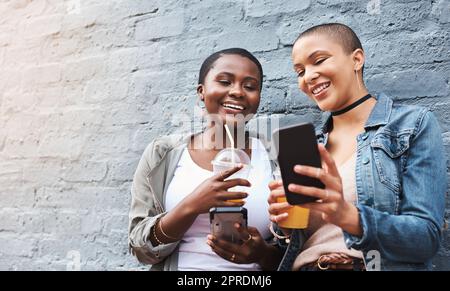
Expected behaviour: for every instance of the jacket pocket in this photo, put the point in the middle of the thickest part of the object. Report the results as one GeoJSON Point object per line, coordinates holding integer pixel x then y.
{"type": "Point", "coordinates": [388, 151]}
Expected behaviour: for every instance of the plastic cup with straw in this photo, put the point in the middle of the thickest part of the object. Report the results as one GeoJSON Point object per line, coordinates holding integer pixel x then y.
{"type": "Point", "coordinates": [229, 158]}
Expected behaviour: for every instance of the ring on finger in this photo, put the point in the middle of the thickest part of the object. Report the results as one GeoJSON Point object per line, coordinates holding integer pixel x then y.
{"type": "Point", "coordinates": [233, 256]}
{"type": "Point", "coordinates": [317, 173]}
{"type": "Point", "coordinates": [327, 194]}
{"type": "Point", "coordinates": [250, 237]}
{"type": "Point", "coordinates": [274, 218]}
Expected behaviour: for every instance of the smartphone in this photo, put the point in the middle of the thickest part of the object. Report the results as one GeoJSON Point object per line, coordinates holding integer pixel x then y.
{"type": "Point", "coordinates": [222, 221]}
{"type": "Point", "coordinates": [297, 145]}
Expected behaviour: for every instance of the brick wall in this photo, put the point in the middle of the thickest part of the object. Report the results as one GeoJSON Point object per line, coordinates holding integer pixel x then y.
{"type": "Point", "coordinates": [85, 85]}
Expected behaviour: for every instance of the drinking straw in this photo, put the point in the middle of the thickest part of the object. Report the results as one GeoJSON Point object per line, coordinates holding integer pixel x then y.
{"type": "Point", "coordinates": [232, 143]}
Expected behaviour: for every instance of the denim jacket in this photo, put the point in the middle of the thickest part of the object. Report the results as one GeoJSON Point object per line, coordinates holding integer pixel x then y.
{"type": "Point", "coordinates": [401, 182]}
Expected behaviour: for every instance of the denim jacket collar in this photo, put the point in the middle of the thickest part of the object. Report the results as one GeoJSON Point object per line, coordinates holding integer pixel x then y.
{"type": "Point", "coordinates": [379, 116]}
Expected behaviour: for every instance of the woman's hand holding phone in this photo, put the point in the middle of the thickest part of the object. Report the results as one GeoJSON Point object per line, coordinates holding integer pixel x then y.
{"type": "Point", "coordinates": [213, 193]}
{"type": "Point", "coordinates": [331, 204]}
{"type": "Point", "coordinates": [277, 210]}
{"type": "Point", "coordinates": [250, 251]}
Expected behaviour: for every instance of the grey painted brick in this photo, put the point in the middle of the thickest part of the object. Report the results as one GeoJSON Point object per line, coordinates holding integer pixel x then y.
{"type": "Point", "coordinates": [93, 223]}
{"type": "Point", "coordinates": [209, 16]}
{"type": "Point", "coordinates": [42, 75]}
{"type": "Point", "coordinates": [427, 47]}
{"type": "Point", "coordinates": [61, 144]}
{"type": "Point", "coordinates": [394, 15]}
{"type": "Point", "coordinates": [122, 170]}
{"type": "Point", "coordinates": [441, 10]}
{"type": "Point", "coordinates": [21, 102]}
{"type": "Point", "coordinates": [49, 97]}
{"type": "Point", "coordinates": [99, 91]}
{"type": "Point", "coordinates": [289, 30]}
{"type": "Point", "coordinates": [446, 138]}
{"type": "Point", "coordinates": [78, 197]}
{"type": "Point", "coordinates": [296, 99]}
{"type": "Point", "coordinates": [23, 147]}
{"type": "Point", "coordinates": [9, 219]}
{"type": "Point", "coordinates": [2, 54]}
{"type": "Point", "coordinates": [441, 262]}
{"type": "Point", "coordinates": [277, 65]}
{"type": "Point", "coordinates": [84, 171]}
{"type": "Point", "coordinates": [10, 171]}
{"type": "Point", "coordinates": [116, 222]}
{"type": "Point", "coordinates": [34, 176]}
{"type": "Point", "coordinates": [11, 246]}
{"type": "Point", "coordinates": [112, 140]}
{"type": "Point", "coordinates": [178, 50]}
{"type": "Point", "coordinates": [158, 27]}
{"type": "Point", "coordinates": [53, 49]}
{"type": "Point", "coordinates": [398, 84]}
{"type": "Point", "coordinates": [5, 39]}
{"type": "Point", "coordinates": [144, 135]}
{"type": "Point", "coordinates": [72, 22]}
{"type": "Point", "coordinates": [263, 8]}
{"type": "Point", "coordinates": [138, 8]}
{"type": "Point", "coordinates": [13, 196]}
{"type": "Point", "coordinates": [33, 222]}
{"type": "Point", "coordinates": [149, 56]}
{"type": "Point", "coordinates": [41, 26]}
{"type": "Point", "coordinates": [122, 62]}
{"type": "Point", "coordinates": [262, 40]}
{"type": "Point", "coordinates": [130, 113]}
{"type": "Point", "coordinates": [288, 33]}
{"type": "Point", "coordinates": [161, 81]}
{"type": "Point", "coordinates": [273, 100]}
{"type": "Point", "coordinates": [440, 109]}
{"type": "Point", "coordinates": [51, 248]}
{"type": "Point", "coordinates": [64, 221]}
{"type": "Point", "coordinates": [10, 79]}
{"type": "Point", "coordinates": [84, 69]}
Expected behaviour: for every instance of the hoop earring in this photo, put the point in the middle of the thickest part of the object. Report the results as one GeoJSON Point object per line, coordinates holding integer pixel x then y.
{"type": "Point", "coordinates": [200, 103]}
{"type": "Point", "coordinates": [200, 107]}
{"type": "Point", "coordinates": [357, 80]}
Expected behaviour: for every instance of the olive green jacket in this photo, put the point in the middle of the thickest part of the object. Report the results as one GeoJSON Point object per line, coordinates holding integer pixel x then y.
{"type": "Point", "coordinates": [151, 180]}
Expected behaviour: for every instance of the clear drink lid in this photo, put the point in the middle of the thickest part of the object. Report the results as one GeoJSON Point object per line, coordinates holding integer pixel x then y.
{"type": "Point", "coordinates": [229, 156]}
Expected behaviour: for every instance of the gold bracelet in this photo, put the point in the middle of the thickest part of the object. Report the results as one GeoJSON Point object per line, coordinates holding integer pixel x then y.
{"type": "Point", "coordinates": [162, 231]}
{"type": "Point", "coordinates": [285, 237]}
{"type": "Point", "coordinates": [154, 234]}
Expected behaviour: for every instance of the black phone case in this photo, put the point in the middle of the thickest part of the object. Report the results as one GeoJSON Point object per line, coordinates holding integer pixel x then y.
{"type": "Point", "coordinates": [222, 221]}
{"type": "Point", "coordinates": [297, 145]}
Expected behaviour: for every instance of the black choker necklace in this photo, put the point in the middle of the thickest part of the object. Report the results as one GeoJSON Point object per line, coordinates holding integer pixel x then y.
{"type": "Point", "coordinates": [351, 106]}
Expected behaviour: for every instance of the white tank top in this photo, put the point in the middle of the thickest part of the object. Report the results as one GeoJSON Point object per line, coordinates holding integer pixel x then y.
{"type": "Point", "coordinates": [194, 253]}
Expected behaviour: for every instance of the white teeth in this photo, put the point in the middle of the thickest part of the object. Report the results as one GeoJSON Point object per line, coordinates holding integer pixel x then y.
{"type": "Point", "coordinates": [238, 107]}
{"type": "Point", "coordinates": [319, 89]}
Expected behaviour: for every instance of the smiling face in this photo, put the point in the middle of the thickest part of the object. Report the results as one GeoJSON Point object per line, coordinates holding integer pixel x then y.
{"type": "Point", "coordinates": [231, 87]}
{"type": "Point", "coordinates": [326, 73]}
